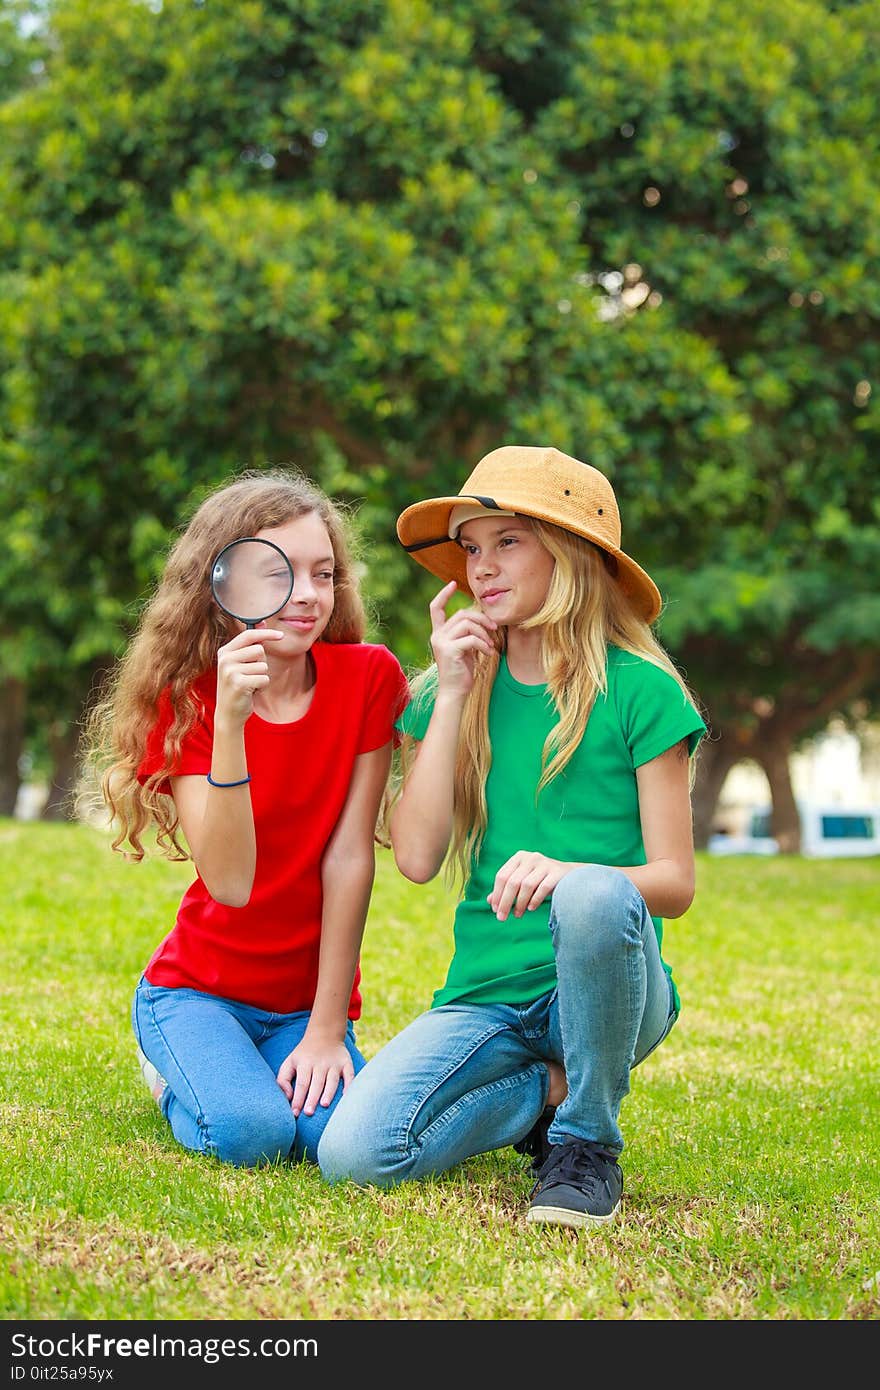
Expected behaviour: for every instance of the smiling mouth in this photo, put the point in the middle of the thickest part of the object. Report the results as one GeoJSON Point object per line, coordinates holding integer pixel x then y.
{"type": "Point", "coordinates": [493, 593]}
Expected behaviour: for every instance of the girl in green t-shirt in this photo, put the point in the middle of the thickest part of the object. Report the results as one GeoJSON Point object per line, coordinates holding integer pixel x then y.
{"type": "Point", "coordinates": [547, 754]}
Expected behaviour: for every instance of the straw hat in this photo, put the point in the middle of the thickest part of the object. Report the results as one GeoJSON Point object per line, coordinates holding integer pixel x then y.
{"type": "Point", "coordinates": [527, 481]}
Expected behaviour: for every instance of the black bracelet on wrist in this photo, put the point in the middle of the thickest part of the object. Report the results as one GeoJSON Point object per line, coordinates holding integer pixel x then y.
{"type": "Point", "coordinates": [240, 783]}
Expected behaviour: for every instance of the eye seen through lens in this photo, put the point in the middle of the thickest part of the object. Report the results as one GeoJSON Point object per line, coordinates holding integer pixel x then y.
{"type": "Point", "coordinates": [251, 579]}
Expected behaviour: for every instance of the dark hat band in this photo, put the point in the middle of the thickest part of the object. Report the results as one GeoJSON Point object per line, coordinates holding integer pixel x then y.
{"type": "Point", "coordinates": [488, 502]}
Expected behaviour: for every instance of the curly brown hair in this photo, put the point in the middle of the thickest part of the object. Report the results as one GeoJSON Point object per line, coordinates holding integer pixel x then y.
{"type": "Point", "coordinates": [177, 639]}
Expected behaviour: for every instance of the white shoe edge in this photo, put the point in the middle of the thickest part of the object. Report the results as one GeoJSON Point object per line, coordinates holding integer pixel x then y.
{"type": "Point", "coordinates": [564, 1216]}
{"type": "Point", "coordinates": [156, 1083]}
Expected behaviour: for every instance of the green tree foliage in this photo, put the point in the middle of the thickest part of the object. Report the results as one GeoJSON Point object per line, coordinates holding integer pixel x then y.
{"type": "Point", "coordinates": [378, 237]}
{"type": "Point", "coordinates": [753, 136]}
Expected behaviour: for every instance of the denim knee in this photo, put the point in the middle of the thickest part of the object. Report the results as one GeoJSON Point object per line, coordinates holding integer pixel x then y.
{"type": "Point", "coordinates": [250, 1135]}
{"type": "Point", "coordinates": [594, 903]}
{"type": "Point", "coordinates": [346, 1154]}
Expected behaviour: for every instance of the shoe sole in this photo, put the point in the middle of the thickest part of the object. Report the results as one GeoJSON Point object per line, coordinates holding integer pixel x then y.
{"type": "Point", "coordinates": [564, 1216]}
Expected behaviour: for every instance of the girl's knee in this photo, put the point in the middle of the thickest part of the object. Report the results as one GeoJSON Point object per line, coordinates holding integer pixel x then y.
{"type": "Point", "coordinates": [592, 905]}
{"type": "Point", "coordinates": [248, 1139]}
{"type": "Point", "coordinates": [349, 1153]}
{"type": "Point", "coordinates": [336, 1159]}
{"type": "Point", "coordinates": [592, 892]}
{"type": "Point", "coordinates": [344, 1158]}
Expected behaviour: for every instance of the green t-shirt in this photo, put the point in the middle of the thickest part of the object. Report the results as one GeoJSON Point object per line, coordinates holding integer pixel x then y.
{"type": "Point", "coordinates": [588, 814]}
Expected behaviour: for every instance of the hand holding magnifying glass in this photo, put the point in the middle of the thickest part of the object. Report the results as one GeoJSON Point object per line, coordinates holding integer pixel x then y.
{"type": "Point", "coordinates": [251, 579]}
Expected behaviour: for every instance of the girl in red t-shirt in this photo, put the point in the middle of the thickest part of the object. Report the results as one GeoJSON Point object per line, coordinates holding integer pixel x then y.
{"type": "Point", "coordinates": [266, 750]}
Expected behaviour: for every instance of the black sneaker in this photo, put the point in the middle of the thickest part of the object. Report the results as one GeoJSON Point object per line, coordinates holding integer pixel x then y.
{"type": "Point", "coordinates": [579, 1184]}
{"type": "Point", "coordinates": [536, 1146]}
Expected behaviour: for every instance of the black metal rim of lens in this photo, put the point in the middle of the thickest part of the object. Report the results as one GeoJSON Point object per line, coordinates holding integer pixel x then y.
{"type": "Point", "coordinates": [230, 546]}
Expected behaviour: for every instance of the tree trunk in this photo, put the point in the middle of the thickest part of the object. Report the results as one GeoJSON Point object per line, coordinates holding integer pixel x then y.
{"type": "Point", "coordinates": [64, 740]}
{"type": "Point", "coordinates": [785, 821]}
{"type": "Point", "coordinates": [12, 707]}
{"type": "Point", "coordinates": [715, 759]}
{"type": "Point", "coordinates": [63, 745]}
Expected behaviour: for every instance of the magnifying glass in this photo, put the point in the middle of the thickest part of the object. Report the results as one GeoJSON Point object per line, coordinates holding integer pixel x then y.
{"type": "Point", "coordinates": [251, 579]}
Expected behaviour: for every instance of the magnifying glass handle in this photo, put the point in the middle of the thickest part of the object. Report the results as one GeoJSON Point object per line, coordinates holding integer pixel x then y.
{"type": "Point", "coordinates": [250, 625]}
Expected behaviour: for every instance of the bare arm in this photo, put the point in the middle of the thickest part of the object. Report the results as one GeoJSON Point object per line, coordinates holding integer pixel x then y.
{"type": "Point", "coordinates": [667, 881]}
{"type": "Point", "coordinates": [347, 872]}
{"type": "Point", "coordinates": [421, 822]}
{"type": "Point", "coordinates": [218, 822]}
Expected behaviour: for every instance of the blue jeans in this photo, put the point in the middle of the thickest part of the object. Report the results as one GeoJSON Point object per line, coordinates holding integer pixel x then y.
{"type": "Point", "coordinates": [219, 1059]}
{"type": "Point", "coordinates": [466, 1078]}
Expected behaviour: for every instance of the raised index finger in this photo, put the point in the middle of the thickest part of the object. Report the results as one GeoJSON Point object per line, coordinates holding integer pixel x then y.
{"type": "Point", "coordinates": [437, 606]}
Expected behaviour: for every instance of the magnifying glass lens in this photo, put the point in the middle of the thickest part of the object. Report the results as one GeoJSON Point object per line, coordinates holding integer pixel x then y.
{"type": "Point", "coordinates": [251, 579]}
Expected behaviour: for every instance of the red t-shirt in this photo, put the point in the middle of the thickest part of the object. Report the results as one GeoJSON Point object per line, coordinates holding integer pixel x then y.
{"type": "Point", "coordinates": [266, 953]}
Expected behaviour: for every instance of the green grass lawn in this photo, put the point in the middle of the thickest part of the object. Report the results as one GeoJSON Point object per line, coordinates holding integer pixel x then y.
{"type": "Point", "coordinates": [752, 1185]}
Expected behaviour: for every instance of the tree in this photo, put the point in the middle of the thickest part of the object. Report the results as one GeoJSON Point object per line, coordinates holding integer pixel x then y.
{"type": "Point", "coordinates": [759, 224]}
{"type": "Point", "coordinates": [377, 238]}
{"type": "Point", "coordinates": [16, 56]}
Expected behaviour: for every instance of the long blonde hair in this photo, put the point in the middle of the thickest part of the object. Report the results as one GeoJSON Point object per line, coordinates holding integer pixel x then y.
{"type": "Point", "coordinates": [584, 610]}
{"type": "Point", "coordinates": [178, 636]}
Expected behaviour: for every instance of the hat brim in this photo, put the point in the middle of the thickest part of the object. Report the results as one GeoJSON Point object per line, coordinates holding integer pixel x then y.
{"type": "Point", "coordinates": [423, 531]}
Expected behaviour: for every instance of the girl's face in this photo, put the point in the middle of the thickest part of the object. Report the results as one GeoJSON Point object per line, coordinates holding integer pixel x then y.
{"type": "Point", "coordinates": [303, 618]}
{"type": "Point", "coordinates": [508, 568]}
